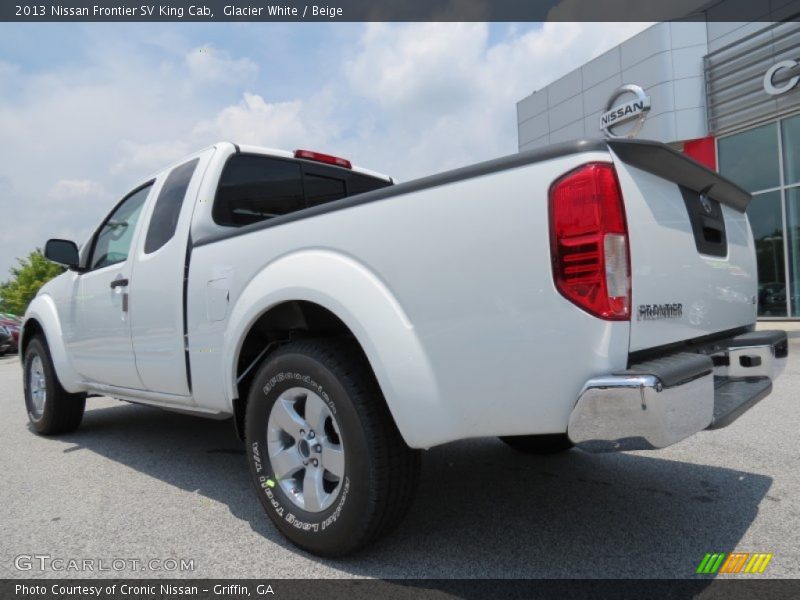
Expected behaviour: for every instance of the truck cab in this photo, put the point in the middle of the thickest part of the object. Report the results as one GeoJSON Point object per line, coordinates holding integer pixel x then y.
{"type": "Point", "coordinates": [122, 306]}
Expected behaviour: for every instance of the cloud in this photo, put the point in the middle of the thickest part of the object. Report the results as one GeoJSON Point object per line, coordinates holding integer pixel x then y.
{"type": "Point", "coordinates": [144, 158]}
{"type": "Point", "coordinates": [77, 188]}
{"type": "Point", "coordinates": [446, 94]}
{"type": "Point", "coordinates": [428, 65]}
{"type": "Point", "coordinates": [209, 65]}
{"type": "Point", "coordinates": [414, 99]}
{"type": "Point", "coordinates": [86, 133]}
{"type": "Point", "coordinates": [405, 99]}
{"type": "Point", "coordinates": [9, 74]}
{"type": "Point", "coordinates": [256, 121]}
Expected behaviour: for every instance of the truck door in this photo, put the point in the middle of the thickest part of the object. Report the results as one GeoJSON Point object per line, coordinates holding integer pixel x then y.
{"type": "Point", "coordinates": [100, 344]}
{"type": "Point", "coordinates": [157, 296]}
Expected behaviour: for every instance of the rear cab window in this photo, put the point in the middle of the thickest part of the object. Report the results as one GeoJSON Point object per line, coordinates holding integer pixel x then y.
{"type": "Point", "coordinates": [254, 188]}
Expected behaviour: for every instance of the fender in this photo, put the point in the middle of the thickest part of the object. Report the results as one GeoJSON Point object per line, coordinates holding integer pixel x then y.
{"type": "Point", "coordinates": [44, 311]}
{"type": "Point", "coordinates": [364, 303]}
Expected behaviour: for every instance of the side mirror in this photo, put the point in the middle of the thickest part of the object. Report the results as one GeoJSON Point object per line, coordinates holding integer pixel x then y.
{"type": "Point", "coordinates": [63, 252]}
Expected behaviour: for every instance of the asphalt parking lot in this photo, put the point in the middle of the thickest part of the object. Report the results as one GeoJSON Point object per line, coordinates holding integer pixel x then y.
{"type": "Point", "coordinates": [139, 483]}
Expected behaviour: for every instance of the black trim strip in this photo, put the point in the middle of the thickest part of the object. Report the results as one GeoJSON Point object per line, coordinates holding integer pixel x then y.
{"type": "Point", "coordinates": [706, 344]}
{"type": "Point", "coordinates": [186, 263]}
{"type": "Point", "coordinates": [673, 369]}
{"type": "Point", "coordinates": [777, 338]}
{"type": "Point", "coordinates": [485, 168]}
{"type": "Point", "coordinates": [663, 161]}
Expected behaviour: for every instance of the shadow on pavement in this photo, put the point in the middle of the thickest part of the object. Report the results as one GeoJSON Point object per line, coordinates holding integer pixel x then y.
{"type": "Point", "coordinates": [482, 510]}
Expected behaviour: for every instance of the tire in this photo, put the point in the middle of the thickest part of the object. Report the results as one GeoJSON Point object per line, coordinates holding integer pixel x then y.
{"type": "Point", "coordinates": [57, 411]}
{"type": "Point", "coordinates": [343, 501]}
{"type": "Point", "coordinates": [551, 443]}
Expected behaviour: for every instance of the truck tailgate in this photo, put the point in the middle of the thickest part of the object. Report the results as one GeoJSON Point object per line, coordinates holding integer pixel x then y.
{"type": "Point", "coordinates": [693, 267]}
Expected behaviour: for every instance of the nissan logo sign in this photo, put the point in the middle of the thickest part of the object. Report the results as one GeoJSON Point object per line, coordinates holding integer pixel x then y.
{"type": "Point", "coordinates": [769, 78]}
{"type": "Point", "coordinates": [633, 109]}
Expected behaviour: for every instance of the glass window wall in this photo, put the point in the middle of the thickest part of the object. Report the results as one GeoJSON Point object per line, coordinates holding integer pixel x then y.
{"type": "Point", "coordinates": [765, 161]}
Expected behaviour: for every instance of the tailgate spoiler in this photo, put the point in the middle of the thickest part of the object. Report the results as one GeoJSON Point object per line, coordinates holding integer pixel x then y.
{"type": "Point", "coordinates": [661, 160]}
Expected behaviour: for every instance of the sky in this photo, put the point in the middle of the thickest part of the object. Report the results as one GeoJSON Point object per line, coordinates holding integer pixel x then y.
{"type": "Point", "coordinates": [88, 111]}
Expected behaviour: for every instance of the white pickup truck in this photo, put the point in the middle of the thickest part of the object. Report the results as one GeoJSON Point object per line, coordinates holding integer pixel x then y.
{"type": "Point", "coordinates": [600, 294]}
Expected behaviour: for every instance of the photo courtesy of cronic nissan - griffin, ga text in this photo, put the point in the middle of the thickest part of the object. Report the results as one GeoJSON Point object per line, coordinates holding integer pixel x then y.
{"type": "Point", "coordinates": [597, 294]}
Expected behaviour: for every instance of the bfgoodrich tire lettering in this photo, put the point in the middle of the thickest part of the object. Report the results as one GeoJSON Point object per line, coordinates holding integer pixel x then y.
{"type": "Point", "coordinates": [373, 490]}
{"type": "Point", "coordinates": [51, 409]}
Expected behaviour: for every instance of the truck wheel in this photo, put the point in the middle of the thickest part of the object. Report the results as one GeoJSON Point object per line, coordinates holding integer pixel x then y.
{"type": "Point", "coordinates": [51, 409]}
{"type": "Point", "coordinates": [330, 466]}
{"type": "Point", "coordinates": [551, 443]}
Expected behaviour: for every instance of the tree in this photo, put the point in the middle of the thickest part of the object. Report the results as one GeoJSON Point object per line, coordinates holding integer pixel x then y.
{"type": "Point", "coordinates": [33, 272]}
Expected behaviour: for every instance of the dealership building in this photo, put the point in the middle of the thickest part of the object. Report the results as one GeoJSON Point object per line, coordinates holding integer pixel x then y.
{"type": "Point", "coordinates": [727, 94]}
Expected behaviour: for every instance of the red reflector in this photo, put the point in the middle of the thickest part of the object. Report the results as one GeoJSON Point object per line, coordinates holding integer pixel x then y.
{"type": "Point", "coordinates": [323, 158]}
{"type": "Point", "coordinates": [589, 241]}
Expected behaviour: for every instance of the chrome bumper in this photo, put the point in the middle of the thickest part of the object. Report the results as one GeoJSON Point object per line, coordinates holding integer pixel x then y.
{"type": "Point", "coordinates": [660, 402]}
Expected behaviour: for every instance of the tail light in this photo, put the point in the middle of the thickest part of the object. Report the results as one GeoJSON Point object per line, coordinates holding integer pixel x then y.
{"type": "Point", "coordinates": [589, 238]}
{"type": "Point", "coordinates": [323, 158]}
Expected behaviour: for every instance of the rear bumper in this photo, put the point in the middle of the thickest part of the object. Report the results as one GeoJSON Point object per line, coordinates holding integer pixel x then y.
{"type": "Point", "coordinates": [660, 402]}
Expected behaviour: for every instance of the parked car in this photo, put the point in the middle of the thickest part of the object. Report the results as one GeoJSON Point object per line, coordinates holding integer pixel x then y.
{"type": "Point", "coordinates": [772, 298]}
{"type": "Point", "coordinates": [553, 298]}
{"type": "Point", "coordinates": [13, 325]}
{"type": "Point", "coordinates": [5, 339]}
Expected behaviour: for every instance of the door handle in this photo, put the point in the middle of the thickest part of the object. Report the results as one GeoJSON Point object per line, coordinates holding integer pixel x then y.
{"type": "Point", "coordinates": [119, 283]}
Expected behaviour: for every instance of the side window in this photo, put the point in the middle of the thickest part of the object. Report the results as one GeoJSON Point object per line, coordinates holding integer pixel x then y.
{"type": "Point", "coordinates": [113, 241]}
{"type": "Point", "coordinates": [168, 206]}
{"type": "Point", "coordinates": [256, 188]}
{"type": "Point", "coordinates": [320, 189]}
